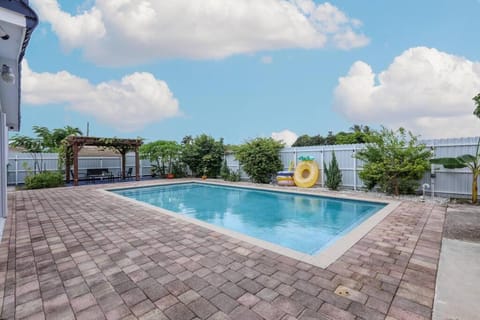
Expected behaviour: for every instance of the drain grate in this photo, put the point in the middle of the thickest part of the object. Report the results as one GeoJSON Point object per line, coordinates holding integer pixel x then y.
{"type": "Point", "coordinates": [342, 291]}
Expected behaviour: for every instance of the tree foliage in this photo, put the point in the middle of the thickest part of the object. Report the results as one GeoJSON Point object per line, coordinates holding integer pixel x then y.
{"type": "Point", "coordinates": [260, 158]}
{"type": "Point", "coordinates": [203, 155]}
{"type": "Point", "coordinates": [227, 174]}
{"type": "Point", "coordinates": [162, 153]}
{"type": "Point", "coordinates": [476, 111]}
{"type": "Point", "coordinates": [333, 175]}
{"type": "Point", "coordinates": [117, 144]}
{"type": "Point", "coordinates": [357, 134]}
{"type": "Point", "coordinates": [45, 140]}
{"type": "Point", "coordinates": [394, 160]}
{"type": "Point", "coordinates": [306, 140]}
{"type": "Point", "coordinates": [52, 140]}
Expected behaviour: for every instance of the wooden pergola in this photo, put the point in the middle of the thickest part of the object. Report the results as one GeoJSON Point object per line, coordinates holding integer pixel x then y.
{"type": "Point", "coordinates": [75, 143]}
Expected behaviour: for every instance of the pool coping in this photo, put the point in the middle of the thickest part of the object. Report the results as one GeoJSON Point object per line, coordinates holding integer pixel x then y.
{"type": "Point", "coordinates": [323, 259]}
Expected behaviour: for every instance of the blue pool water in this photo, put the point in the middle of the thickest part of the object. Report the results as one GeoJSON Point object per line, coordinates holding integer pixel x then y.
{"type": "Point", "coordinates": [300, 222]}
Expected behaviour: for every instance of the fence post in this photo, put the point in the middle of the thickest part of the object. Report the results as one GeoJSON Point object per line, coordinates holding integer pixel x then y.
{"type": "Point", "coordinates": [432, 172]}
{"type": "Point", "coordinates": [322, 175]}
{"type": "Point", "coordinates": [354, 168]}
{"type": "Point", "coordinates": [295, 157]}
{"type": "Point", "coordinates": [16, 169]}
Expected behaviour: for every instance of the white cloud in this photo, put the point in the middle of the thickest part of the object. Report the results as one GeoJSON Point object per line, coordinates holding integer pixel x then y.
{"type": "Point", "coordinates": [131, 31]}
{"type": "Point", "coordinates": [266, 59]}
{"type": "Point", "coordinates": [286, 136]}
{"type": "Point", "coordinates": [130, 104]}
{"type": "Point", "coordinates": [425, 90]}
{"type": "Point", "coordinates": [72, 30]}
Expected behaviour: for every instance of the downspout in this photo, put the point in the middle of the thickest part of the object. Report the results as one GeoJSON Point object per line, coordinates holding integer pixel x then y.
{"type": "Point", "coordinates": [3, 164]}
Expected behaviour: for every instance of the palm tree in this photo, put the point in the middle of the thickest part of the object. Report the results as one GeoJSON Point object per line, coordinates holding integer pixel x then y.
{"type": "Point", "coordinates": [477, 103]}
{"type": "Point", "coordinates": [46, 140]}
{"type": "Point", "coordinates": [52, 139]}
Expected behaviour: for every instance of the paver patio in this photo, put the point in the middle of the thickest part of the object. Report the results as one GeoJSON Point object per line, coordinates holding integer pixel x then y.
{"type": "Point", "coordinates": [78, 253]}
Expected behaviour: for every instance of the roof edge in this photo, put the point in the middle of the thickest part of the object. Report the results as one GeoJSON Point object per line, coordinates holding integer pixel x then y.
{"type": "Point", "coordinates": [31, 17]}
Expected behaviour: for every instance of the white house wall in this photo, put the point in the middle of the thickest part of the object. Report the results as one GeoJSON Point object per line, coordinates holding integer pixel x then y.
{"type": "Point", "coordinates": [9, 95]}
{"type": "Point", "coordinates": [18, 21]}
{"type": "Point", "coordinates": [14, 25]}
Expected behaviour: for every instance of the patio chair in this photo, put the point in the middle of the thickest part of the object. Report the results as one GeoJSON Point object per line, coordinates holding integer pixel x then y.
{"type": "Point", "coordinates": [129, 173]}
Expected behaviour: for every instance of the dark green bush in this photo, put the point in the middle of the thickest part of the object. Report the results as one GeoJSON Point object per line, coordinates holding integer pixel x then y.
{"type": "Point", "coordinates": [162, 154]}
{"type": "Point", "coordinates": [394, 161]}
{"type": "Point", "coordinates": [227, 174]}
{"type": "Point", "coordinates": [179, 169]}
{"type": "Point", "coordinates": [203, 155]}
{"type": "Point", "coordinates": [333, 175]}
{"type": "Point", "coordinates": [224, 170]}
{"type": "Point", "coordinates": [260, 158]}
{"type": "Point", "coordinates": [44, 179]}
{"type": "Point", "coordinates": [233, 176]}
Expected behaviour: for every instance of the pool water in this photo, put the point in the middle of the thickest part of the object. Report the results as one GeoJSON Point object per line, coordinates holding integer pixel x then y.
{"type": "Point", "coordinates": [300, 222]}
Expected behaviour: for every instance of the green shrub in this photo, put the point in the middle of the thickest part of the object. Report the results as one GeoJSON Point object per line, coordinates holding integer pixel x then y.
{"type": "Point", "coordinates": [162, 154]}
{"type": "Point", "coordinates": [203, 155]}
{"type": "Point", "coordinates": [179, 169]}
{"type": "Point", "coordinates": [260, 158]}
{"type": "Point", "coordinates": [46, 179]}
{"type": "Point", "coordinates": [333, 175]}
{"type": "Point", "coordinates": [394, 160]}
{"type": "Point", "coordinates": [229, 175]}
{"type": "Point", "coordinates": [224, 170]}
{"type": "Point", "coordinates": [233, 176]}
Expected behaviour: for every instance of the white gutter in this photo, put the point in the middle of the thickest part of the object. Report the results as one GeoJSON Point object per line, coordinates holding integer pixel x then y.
{"type": "Point", "coordinates": [3, 164]}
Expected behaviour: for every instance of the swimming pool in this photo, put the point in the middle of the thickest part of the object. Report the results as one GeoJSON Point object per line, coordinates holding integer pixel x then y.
{"type": "Point", "coordinates": [304, 223]}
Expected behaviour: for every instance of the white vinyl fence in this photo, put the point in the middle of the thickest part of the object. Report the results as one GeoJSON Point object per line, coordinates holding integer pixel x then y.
{"type": "Point", "coordinates": [445, 182]}
{"type": "Point", "coordinates": [20, 164]}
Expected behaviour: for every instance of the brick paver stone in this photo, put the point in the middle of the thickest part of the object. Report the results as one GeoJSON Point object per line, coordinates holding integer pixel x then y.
{"type": "Point", "coordinates": [82, 253]}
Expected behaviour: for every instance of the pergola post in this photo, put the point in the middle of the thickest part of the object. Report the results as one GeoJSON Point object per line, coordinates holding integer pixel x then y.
{"type": "Point", "coordinates": [124, 164]}
{"type": "Point", "coordinates": [67, 165]}
{"type": "Point", "coordinates": [137, 164]}
{"type": "Point", "coordinates": [75, 164]}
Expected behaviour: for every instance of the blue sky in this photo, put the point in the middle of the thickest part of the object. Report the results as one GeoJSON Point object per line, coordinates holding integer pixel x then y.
{"type": "Point", "coordinates": [241, 69]}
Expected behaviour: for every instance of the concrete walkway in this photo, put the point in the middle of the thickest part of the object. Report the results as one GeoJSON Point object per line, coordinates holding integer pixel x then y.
{"type": "Point", "coordinates": [458, 281]}
{"type": "Point", "coordinates": [458, 277]}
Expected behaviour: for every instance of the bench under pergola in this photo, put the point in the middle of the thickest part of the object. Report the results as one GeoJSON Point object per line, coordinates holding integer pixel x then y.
{"type": "Point", "coordinates": [75, 143]}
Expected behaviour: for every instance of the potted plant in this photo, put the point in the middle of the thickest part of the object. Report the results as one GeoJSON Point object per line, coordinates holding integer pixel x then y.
{"type": "Point", "coordinates": [170, 176]}
{"type": "Point", "coordinates": [204, 177]}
